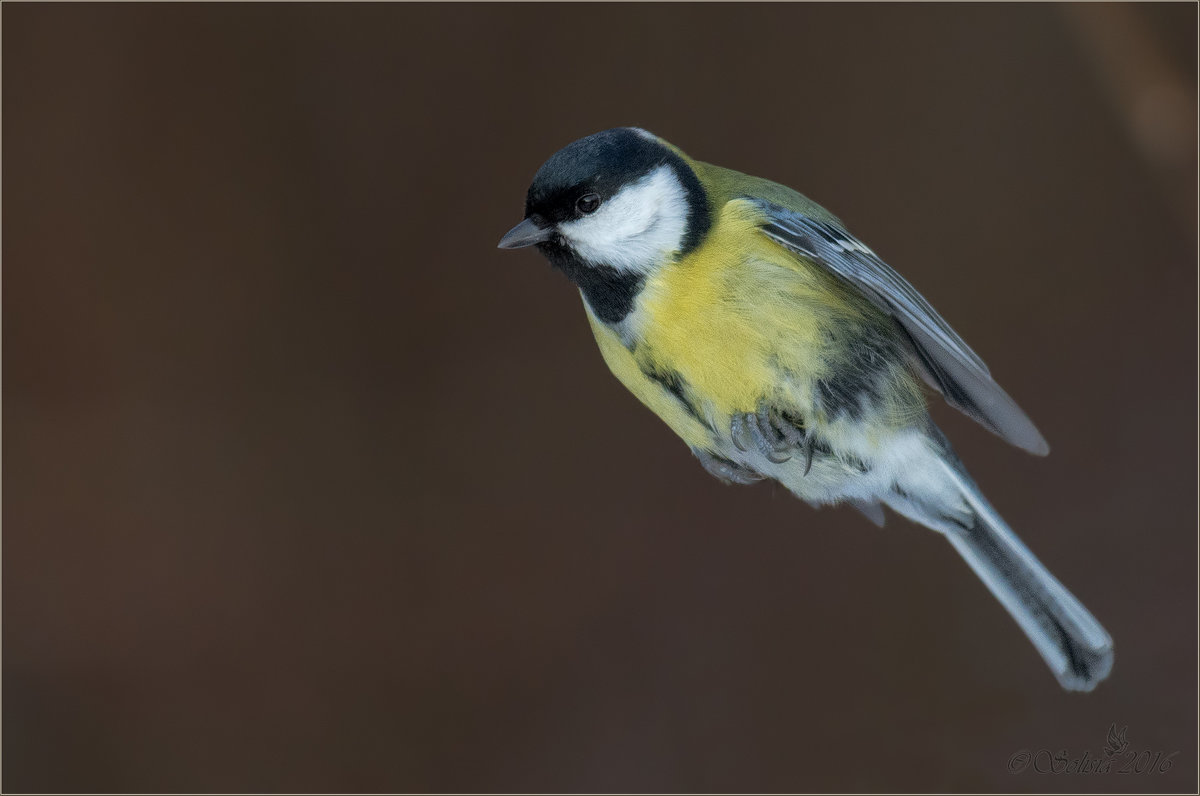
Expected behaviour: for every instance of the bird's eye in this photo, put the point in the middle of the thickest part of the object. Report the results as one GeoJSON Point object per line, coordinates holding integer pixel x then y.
{"type": "Point", "coordinates": [588, 203]}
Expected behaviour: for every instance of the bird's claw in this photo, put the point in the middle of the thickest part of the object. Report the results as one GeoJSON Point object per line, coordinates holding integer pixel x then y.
{"type": "Point", "coordinates": [725, 470]}
{"type": "Point", "coordinates": [739, 431]}
{"type": "Point", "coordinates": [775, 437]}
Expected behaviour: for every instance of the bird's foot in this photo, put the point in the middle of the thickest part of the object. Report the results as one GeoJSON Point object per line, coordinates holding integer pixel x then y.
{"type": "Point", "coordinates": [725, 470]}
{"type": "Point", "coordinates": [773, 434]}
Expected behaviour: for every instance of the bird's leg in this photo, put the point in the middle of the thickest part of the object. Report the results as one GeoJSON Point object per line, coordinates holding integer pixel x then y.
{"type": "Point", "coordinates": [796, 436]}
{"type": "Point", "coordinates": [787, 429]}
{"type": "Point", "coordinates": [725, 470]}
{"type": "Point", "coordinates": [772, 433]}
{"type": "Point", "coordinates": [768, 428]}
{"type": "Point", "coordinates": [739, 432]}
{"type": "Point", "coordinates": [770, 442]}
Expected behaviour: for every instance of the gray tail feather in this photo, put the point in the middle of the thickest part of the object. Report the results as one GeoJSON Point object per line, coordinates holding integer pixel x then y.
{"type": "Point", "coordinates": [1078, 650]}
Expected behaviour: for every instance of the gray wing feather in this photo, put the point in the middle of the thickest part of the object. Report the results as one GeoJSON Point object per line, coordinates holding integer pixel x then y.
{"type": "Point", "coordinates": [942, 358]}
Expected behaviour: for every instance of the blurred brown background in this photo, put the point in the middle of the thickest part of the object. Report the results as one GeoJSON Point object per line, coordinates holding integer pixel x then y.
{"type": "Point", "coordinates": [308, 487]}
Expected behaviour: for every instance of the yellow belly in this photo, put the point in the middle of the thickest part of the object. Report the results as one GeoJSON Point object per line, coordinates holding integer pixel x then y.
{"type": "Point", "coordinates": [741, 322]}
{"type": "Point", "coordinates": [667, 406]}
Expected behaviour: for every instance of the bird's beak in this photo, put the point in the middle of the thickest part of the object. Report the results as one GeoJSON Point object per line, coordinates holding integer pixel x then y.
{"type": "Point", "coordinates": [526, 233]}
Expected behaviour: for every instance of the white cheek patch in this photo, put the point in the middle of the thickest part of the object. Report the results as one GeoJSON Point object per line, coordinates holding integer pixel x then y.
{"type": "Point", "coordinates": [637, 228]}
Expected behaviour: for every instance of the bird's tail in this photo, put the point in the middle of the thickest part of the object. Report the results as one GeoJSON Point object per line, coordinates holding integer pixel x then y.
{"type": "Point", "coordinates": [1078, 650]}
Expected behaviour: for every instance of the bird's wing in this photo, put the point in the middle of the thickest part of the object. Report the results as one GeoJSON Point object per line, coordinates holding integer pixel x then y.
{"type": "Point", "coordinates": [944, 361]}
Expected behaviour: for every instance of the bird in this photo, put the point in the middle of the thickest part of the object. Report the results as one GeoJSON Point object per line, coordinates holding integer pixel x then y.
{"type": "Point", "coordinates": [778, 346]}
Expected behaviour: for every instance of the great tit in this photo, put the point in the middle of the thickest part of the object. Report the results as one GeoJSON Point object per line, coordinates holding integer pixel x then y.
{"type": "Point", "coordinates": [779, 346]}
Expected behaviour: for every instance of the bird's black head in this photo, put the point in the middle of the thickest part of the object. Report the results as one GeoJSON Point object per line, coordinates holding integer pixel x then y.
{"type": "Point", "coordinates": [608, 209]}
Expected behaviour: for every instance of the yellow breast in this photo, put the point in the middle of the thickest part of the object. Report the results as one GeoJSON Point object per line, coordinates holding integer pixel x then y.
{"type": "Point", "coordinates": [738, 322]}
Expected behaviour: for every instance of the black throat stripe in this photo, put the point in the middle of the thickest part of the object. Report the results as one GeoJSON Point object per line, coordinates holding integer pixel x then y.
{"type": "Point", "coordinates": [608, 291]}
